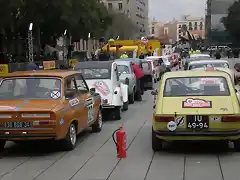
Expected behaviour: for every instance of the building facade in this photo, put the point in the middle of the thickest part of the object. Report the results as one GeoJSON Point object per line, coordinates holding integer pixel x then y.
{"type": "Point", "coordinates": [136, 10]}
{"type": "Point", "coordinates": [215, 11]}
{"type": "Point", "coordinates": [195, 26]}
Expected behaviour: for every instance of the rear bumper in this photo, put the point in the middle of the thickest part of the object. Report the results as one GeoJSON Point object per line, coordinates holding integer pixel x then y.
{"type": "Point", "coordinates": [196, 134]}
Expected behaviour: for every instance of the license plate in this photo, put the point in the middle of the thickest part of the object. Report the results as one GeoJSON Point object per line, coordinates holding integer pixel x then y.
{"type": "Point", "coordinates": [17, 124]}
{"type": "Point", "coordinates": [197, 122]}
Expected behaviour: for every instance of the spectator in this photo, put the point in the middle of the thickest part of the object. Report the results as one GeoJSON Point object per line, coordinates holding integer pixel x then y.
{"type": "Point", "coordinates": [139, 77]}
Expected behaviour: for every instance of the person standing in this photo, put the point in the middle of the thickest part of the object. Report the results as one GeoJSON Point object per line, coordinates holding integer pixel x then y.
{"type": "Point", "coordinates": [139, 80]}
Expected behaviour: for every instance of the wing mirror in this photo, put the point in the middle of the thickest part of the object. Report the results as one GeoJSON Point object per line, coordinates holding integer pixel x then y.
{"type": "Point", "coordinates": [154, 92]}
{"type": "Point", "coordinates": [236, 90]}
{"type": "Point", "coordinates": [92, 90]}
{"type": "Point", "coordinates": [69, 94]}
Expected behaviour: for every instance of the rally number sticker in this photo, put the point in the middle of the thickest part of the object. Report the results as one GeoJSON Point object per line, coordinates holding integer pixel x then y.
{"type": "Point", "coordinates": [90, 112]}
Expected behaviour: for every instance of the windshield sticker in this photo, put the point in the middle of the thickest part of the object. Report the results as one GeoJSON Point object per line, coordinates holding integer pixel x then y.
{"type": "Point", "coordinates": [7, 107]}
{"type": "Point", "coordinates": [179, 120]}
{"type": "Point", "coordinates": [55, 94]}
{"type": "Point", "coordinates": [74, 102]}
{"type": "Point", "coordinates": [196, 103]}
{"type": "Point", "coordinates": [102, 87]}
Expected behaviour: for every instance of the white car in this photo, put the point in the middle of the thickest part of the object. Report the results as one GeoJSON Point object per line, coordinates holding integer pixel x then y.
{"type": "Point", "coordinates": [200, 56]}
{"type": "Point", "coordinates": [166, 60]}
{"type": "Point", "coordinates": [208, 63]}
{"type": "Point", "coordinates": [104, 77]}
{"type": "Point", "coordinates": [155, 63]}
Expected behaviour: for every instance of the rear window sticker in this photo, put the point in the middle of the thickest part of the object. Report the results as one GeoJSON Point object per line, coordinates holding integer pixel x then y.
{"type": "Point", "coordinates": [102, 87]}
{"type": "Point", "coordinates": [172, 126]}
{"type": "Point", "coordinates": [209, 81]}
{"type": "Point", "coordinates": [196, 103]}
{"type": "Point", "coordinates": [74, 102]}
{"type": "Point", "coordinates": [55, 94]}
{"type": "Point", "coordinates": [215, 118]}
{"type": "Point", "coordinates": [179, 120]}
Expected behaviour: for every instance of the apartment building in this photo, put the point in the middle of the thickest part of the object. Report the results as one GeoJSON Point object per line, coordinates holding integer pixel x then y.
{"type": "Point", "coordinates": [136, 10]}
{"type": "Point", "coordinates": [215, 11]}
{"type": "Point", "coordinates": [195, 25]}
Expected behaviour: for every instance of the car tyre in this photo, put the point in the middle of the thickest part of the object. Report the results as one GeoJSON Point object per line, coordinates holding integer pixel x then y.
{"type": "Point", "coordinates": [2, 145]}
{"type": "Point", "coordinates": [156, 142]}
{"type": "Point", "coordinates": [97, 126]}
{"type": "Point", "coordinates": [125, 106]}
{"type": "Point", "coordinates": [237, 145]}
{"type": "Point", "coordinates": [131, 98]}
{"type": "Point", "coordinates": [117, 113]}
{"type": "Point", "coordinates": [69, 143]}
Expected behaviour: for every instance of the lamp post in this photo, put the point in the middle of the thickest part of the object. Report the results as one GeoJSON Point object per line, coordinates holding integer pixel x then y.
{"type": "Point", "coordinates": [64, 46]}
{"type": "Point", "coordinates": [30, 43]}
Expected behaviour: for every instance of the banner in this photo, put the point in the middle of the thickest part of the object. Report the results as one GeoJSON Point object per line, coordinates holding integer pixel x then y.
{"type": "Point", "coordinates": [49, 65]}
{"type": "Point", "coordinates": [3, 69]}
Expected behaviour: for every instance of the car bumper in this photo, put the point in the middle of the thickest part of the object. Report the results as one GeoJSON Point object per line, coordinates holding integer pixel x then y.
{"type": "Point", "coordinates": [201, 135]}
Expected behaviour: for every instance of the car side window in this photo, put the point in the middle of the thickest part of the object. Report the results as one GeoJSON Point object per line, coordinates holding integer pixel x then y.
{"type": "Point", "coordinates": [81, 84]}
{"type": "Point", "coordinates": [70, 87]}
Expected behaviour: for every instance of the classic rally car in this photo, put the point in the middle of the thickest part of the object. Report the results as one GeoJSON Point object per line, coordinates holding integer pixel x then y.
{"type": "Point", "coordinates": [206, 107]}
{"type": "Point", "coordinates": [103, 76]}
{"type": "Point", "coordinates": [49, 104]}
{"type": "Point", "coordinates": [208, 63]}
{"type": "Point", "coordinates": [195, 57]}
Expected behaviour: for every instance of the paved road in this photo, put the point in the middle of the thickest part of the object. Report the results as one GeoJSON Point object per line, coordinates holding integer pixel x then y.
{"type": "Point", "coordinates": [95, 156]}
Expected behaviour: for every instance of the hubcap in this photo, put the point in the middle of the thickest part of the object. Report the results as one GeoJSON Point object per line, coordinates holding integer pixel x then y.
{"type": "Point", "coordinates": [100, 122]}
{"type": "Point", "coordinates": [73, 134]}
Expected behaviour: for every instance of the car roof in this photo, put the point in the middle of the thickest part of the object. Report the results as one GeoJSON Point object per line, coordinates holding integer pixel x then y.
{"type": "Point", "coordinates": [207, 61]}
{"type": "Point", "coordinates": [153, 57]}
{"type": "Point", "coordinates": [48, 73]}
{"type": "Point", "coordinates": [199, 55]}
{"type": "Point", "coordinates": [94, 64]}
{"type": "Point", "coordinates": [123, 62]}
{"type": "Point", "coordinates": [177, 74]}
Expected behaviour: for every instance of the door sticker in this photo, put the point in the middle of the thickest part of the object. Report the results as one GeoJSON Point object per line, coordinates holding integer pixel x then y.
{"type": "Point", "coordinates": [74, 102]}
{"type": "Point", "coordinates": [90, 112]}
{"type": "Point", "coordinates": [179, 120]}
{"type": "Point", "coordinates": [55, 94]}
{"type": "Point", "coordinates": [196, 103]}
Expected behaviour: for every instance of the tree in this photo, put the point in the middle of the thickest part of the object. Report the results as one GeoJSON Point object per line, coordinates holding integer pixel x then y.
{"type": "Point", "coordinates": [232, 21]}
{"type": "Point", "coordinates": [121, 26]}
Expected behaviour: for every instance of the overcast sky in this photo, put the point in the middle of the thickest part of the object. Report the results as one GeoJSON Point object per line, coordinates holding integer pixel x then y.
{"type": "Point", "coordinates": [164, 10]}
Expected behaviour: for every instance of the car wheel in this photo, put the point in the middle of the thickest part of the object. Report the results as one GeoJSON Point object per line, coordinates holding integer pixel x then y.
{"type": "Point", "coordinates": [70, 140]}
{"type": "Point", "coordinates": [117, 113]}
{"type": "Point", "coordinates": [125, 106]}
{"type": "Point", "coordinates": [131, 98]}
{"type": "Point", "coordinates": [97, 126]}
{"type": "Point", "coordinates": [2, 145]}
{"type": "Point", "coordinates": [237, 145]}
{"type": "Point", "coordinates": [156, 142]}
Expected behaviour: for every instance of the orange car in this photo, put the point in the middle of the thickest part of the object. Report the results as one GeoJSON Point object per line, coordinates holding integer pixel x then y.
{"type": "Point", "coordinates": [50, 104]}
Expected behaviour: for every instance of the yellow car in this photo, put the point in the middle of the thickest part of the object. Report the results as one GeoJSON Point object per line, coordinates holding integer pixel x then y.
{"type": "Point", "coordinates": [196, 105]}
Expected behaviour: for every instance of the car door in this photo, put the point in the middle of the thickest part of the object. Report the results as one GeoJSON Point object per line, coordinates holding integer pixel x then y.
{"type": "Point", "coordinates": [74, 105]}
{"type": "Point", "coordinates": [90, 107]}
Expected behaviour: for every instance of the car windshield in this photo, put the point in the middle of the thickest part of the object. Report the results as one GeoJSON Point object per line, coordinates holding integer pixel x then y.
{"type": "Point", "coordinates": [30, 88]}
{"type": "Point", "coordinates": [212, 64]}
{"type": "Point", "coordinates": [196, 86]}
{"type": "Point", "coordinates": [123, 69]}
{"type": "Point", "coordinates": [199, 58]}
{"type": "Point", "coordinates": [99, 73]}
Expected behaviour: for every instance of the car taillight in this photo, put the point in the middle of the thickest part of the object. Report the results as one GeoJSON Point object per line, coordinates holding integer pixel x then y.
{"type": "Point", "coordinates": [231, 119]}
{"type": "Point", "coordinates": [44, 122]}
{"type": "Point", "coordinates": [163, 118]}
{"type": "Point", "coordinates": [127, 81]}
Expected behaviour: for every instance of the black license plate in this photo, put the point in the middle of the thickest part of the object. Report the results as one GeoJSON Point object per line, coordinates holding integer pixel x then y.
{"type": "Point", "coordinates": [197, 122]}
{"type": "Point", "coordinates": [17, 125]}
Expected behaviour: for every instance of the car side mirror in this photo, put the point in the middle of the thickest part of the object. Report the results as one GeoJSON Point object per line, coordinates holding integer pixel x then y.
{"type": "Point", "coordinates": [154, 92]}
{"type": "Point", "coordinates": [69, 94]}
{"type": "Point", "coordinates": [236, 90]}
{"type": "Point", "coordinates": [92, 90]}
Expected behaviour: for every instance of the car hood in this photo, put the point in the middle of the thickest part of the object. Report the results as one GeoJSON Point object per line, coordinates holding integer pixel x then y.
{"type": "Point", "coordinates": [195, 105]}
{"type": "Point", "coordinates": [28, 105]}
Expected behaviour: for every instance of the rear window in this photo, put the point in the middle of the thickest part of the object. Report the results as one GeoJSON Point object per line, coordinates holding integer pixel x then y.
{"type": "Point", "coordinates": [196, 86]}
{"type": "Point", "coordinates": [95, 73]}
{"type": "Point", "coordinates": [123, 69]}
{"type": "Point", "coordinates": [205, 65]}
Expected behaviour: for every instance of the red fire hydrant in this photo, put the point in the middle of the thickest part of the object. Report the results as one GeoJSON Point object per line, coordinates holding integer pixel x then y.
{"type": "Point", "coordinates": [120, 142]}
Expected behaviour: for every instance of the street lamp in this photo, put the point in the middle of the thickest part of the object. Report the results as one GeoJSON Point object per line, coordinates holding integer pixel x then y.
{"type": "Point", "coordinates": [64, 46]}
{"type": "Point", "coordinates": [30, 43]}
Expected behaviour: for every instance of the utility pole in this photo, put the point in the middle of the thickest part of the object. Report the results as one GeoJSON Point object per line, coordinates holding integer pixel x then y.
{"type": "Point", "coordinates": [64, 46]}
{"type": "Point", "coordinates": [30, 43]}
